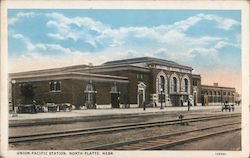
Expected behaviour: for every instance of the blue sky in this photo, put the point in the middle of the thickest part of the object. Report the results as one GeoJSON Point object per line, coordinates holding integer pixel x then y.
{"type": "Point", "coordinates": [207, 40]}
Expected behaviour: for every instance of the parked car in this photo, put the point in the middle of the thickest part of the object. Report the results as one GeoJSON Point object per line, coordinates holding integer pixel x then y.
{"type": "Point", "coordinates": [52, 107]}
{"type": "Point", "coordinates": [28, 108]}
{"type": "Point", "coordinates": [65, 107]}
{"type": "Point", "coordinates": [39, 108]}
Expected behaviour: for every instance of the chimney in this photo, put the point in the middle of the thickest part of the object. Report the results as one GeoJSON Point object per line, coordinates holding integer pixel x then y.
{"type": "Point", "coordinates": [216, 84]}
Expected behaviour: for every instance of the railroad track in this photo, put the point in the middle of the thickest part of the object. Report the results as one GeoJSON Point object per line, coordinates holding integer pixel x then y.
{"type": "Point", "coordinates": [105, 129]}
{"type": "Point", "coordinates": [169, 140]}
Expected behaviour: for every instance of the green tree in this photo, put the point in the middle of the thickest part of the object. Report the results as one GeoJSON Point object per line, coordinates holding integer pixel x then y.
{"type": "Point", "coordinates": [28, 93]}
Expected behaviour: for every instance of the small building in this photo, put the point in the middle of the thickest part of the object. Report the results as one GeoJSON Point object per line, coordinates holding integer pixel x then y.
{"type": "Point", "coordinates": [117, 84]}
{"type": "Point", "coordinates": [215, 95]}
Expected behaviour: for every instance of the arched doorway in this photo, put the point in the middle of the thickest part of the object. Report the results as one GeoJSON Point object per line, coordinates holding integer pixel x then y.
{"type": "Point", "coordinates": [90, 96]}
{"type": "Point", "coordinates": [141, 94]}
{"type": "Point", "coordinates": [115, 96]}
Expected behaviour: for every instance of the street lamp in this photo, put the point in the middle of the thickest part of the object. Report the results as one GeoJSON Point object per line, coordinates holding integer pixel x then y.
{"type": "Point", "coordinates": [233, 97]}
{"type": "Point", "coordinates": [161, 98]}
{"type": "Point", "coordinates": [14, 94]}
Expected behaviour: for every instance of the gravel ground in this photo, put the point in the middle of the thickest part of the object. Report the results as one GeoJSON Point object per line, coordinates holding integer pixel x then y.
{"type": "Point", "coordinates": [228, 141]}
{"type": "Point", "coordinates": [14, 131]}
{"type": "Point", "coordinates": [81, 142]}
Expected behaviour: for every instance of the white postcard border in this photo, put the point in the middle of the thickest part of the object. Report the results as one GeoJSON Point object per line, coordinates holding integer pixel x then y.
{"type": "Point", "coordinates": [205, 4]}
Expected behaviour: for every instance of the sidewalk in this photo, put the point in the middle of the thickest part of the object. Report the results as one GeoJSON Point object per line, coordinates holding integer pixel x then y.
{"type": "Point", "coordinates": [105, 112]}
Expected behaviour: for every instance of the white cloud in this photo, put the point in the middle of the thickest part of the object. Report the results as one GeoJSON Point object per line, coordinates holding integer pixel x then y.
{"type": "Point", "coordinates": [25, 40]}
{"type": "Point", "coordinates": [106, 36]}
{"type": "Point", "coordinates": [222, 23]}
{"type": "Point", "coordinates": [56, 36]}
{"type": "Point", "coordinates": [19, 16]}
{"type": "Point", "coordinates": [169, 41]}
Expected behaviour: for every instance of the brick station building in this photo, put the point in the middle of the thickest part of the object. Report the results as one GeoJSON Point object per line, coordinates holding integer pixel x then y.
{"type": "Point", "coordinates": [120, 83]}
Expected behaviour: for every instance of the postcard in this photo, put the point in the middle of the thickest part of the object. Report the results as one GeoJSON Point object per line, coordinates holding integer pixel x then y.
{"type": "Point", "coordinates": [125, 79]}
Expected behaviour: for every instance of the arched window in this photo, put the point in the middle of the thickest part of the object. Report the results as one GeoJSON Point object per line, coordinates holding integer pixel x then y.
{"type": "Point", "coordinates": [186, 85]}
{"type": "Point", "coordinates": [175, 84]}
{"type": "Point", "coordinates": [162, 83]}
{"type": "Point", "coordinates": [215, 93]}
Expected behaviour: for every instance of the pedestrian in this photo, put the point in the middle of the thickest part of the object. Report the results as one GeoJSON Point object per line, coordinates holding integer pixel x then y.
{"type": "Point", "coordinates": [181, 102]}
{"type": "Point", "coordinates": [155, 105]}
{"type": "Point", "coordinates": [232, 106]}
{"type": "Point", "coordinates": [34, 106]}
{"type": "Point", "coordinates": [144, 105]}
{"type": "Point", "coordinates": [189, 104]}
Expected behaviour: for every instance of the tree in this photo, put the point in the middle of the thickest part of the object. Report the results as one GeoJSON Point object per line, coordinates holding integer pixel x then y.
{"type": "Point", "coordinates": [27, 92]}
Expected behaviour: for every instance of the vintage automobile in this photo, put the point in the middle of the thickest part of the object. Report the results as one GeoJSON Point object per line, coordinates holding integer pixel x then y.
{"type": "Point", "coordinates": [65, 107]}
{"type": "Point", "coordinates": [52, 107]}
{"type": "Point", "coordinates": [28, 108]}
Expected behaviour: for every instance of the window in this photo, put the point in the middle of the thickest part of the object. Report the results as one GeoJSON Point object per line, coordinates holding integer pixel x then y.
{"type": "Point", "coordinates": [175, 84]}
{"type": "Point", "coordinates": [186, 85]}
{"type": "Point", "coordinates": [141, 76]}
{"type": "Point", "coordinates": [229, 93]}
{"type": "Point", "coordinates": [224, 93]}
{"type": "Point", "coordinates": [162, 83]}
{"type": "Point", "coordinates": [55, 86]}
{"type": "Point", "coordinates": [218, 93]}
{"type": "Point", "coordinates": [210, 92]}
{"type": "Point", "coordinates": [90, 93]}
{"type": "Point", "coordinates": [195, 83]}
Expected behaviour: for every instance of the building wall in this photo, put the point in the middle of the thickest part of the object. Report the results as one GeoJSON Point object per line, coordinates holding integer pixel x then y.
{"type": "Point", "coordinates": [134, 77]}
{"type": "Point", "coordinates": [171, 97]}
{"type": "Point", "coordinates": [197, 84]}
{"type": "Point", "coordinates": [216, 95]}
{"type": "Point", "coordinates": [72, 91]}
{"type": "Point", "coordinates": [43, 93]}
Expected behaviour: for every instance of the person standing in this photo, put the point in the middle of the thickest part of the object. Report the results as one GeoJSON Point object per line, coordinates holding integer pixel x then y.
{"type": "Point", "coordinates": [181, 102]}
{"type": "Point", "coordinates": [189, 104]}
{"type": "Point", "coordinates": [144, 105]}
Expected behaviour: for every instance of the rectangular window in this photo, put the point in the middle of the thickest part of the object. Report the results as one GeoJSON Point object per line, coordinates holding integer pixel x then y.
{"type": "Point", "coordinates": [194, 83]}
{"type": "Point", "coordinates": [141, 76]}
{"type": "Point", "coordinates": [137, 76]}
{"type": "Point", "coordinates": [55, 86]}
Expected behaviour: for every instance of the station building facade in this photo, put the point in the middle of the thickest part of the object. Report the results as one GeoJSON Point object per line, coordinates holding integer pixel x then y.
{"type": "Point", "coordinates": [116, 84]}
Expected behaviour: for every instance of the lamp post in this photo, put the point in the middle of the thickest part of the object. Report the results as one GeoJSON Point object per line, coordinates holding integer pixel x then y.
{"type": "Point", "coordinates": [161, 98]}
{"type": "Point", "coordinates": [233, 97]}
{"type": "Point", "coordinates": [221, 101]}
{"type": "Point", "coordinates": [14, 94]}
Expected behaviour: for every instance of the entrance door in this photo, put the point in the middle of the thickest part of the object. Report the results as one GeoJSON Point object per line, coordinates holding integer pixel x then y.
{"type": "Point", "coordinates": [115, 100]}
{"type": "Point", "coordinates": [175, 100]}
{"type": "Point", "coordinates": [141, 94]}
{"type": "Point", "coordinates": [140, 98]}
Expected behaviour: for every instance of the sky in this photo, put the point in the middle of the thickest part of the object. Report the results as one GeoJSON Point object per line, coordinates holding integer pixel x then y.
{"type": "Point", "coordinates": [207, 40]}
